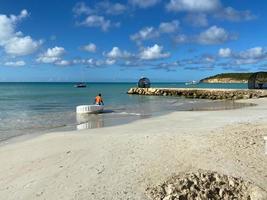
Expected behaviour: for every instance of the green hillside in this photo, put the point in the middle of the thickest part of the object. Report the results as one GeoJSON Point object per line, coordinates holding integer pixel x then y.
{"type": "Point", "coordinates": [233, 76]}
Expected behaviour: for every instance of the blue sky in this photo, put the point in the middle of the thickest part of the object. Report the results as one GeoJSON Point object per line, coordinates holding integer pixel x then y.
{"type": "Point", "coordinates": [105, 40]}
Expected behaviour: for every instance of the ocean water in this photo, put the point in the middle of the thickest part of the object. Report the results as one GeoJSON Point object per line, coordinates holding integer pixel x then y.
{"type": "Point", "coordinates": [33, 108]}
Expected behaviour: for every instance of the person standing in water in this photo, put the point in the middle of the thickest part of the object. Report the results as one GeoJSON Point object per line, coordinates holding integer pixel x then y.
{"type": "Point", "coordinates": [99, 100]}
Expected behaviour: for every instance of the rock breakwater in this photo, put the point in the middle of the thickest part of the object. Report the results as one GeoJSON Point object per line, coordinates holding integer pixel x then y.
{"type": "Point", "coordinates": [200, 93]}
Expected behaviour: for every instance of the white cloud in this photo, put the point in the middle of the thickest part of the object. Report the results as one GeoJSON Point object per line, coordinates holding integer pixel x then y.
{"type": "Point", "coordinates": [97, 15]}
{"type": "Point", "coordinates": [55, 52]}
{"type": "Point", "coordinates": [112, 8]}
{"type": "Point", "coordinates": [144, 3]}
{"type": "Point", "coordinates": [168, 66]}
{"type": "Point", "coordinates": [110, 61]}
{"type": "Point", "coordinates": [148, 33]}
{"type": "Point", "coordinates": [209, 59]}
{"type": "Point", "coordinates": [169, 27]}
{"type": "Point", "coordinates": [253, 53]}
{"type": "Point", "coordinates": [90, 47]}
{"type": "Point", "coordinates": [52, 55]}
{"type": "Point", "coordinates": [197, 20]}
{"type": "Point", "coordinates": [97, 21]}
{"type": "Point", "coordinates": [193, 5]}
{"type": "Point", "coordinates": [214, 35]}
{"type": "Point", "coordinates": [83, 61]}
{"type": "Point", "coordinates": [213, 7]}
{"type": "Point", "coordinates": [145, 34]}
{"type": "Point", "coordinates": [102, 7]}
{"type": "Point", "coordinates": [116, 53]}
{"type": "Point", "coordinates": [231, 14]}
{"type": "Point", "coordinates": [125, 58]}
{"type": "Point", "coordinates": [225, 53]}
{"type": "Point", "coordinates": [13, 42]}
{"type": "Point", "coordinates": [181, 38]}
{"type": "Point", "coordinates": [20, 46]}
{"type": "Point", "coordinates": [153, 53]}
{"type": "Point", "coordinates": [63, 63]}
{"type": "Point", "coordinates": [7, 27]}
{"type": "Point", "coordinates": [81, 8]}
{"type": "Point", "coordinates": [19, 63]}
{"type": "Point", "coordinates": [91, 62]}
{"type": "Point", "coordinates": [250, 56]}
{"type": "Point", "coordinates": [245, 61]}
{"type": "Point", "coordinates": [24, 13]}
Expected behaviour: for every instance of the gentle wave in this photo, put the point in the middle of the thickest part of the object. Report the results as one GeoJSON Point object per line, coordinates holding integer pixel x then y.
{"type": "Point", "coordinates": [128, 113]}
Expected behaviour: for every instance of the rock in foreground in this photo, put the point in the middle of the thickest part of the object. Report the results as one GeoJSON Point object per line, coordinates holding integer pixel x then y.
{"type": "Point", "coordinates": [204, 185]}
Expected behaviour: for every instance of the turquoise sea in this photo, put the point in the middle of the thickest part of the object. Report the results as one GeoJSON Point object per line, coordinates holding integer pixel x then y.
{"type": "Point", "coordinates": [35, 108]}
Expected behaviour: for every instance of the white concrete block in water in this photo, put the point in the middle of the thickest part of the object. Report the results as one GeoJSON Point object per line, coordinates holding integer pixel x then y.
{"type": "Point", "coordinates": [85, 109]}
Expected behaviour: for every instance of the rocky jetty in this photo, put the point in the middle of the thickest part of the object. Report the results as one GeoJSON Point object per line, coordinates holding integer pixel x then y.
{"type": "Point", "coordinates": [199, 93]}
{"type": "Point", "coordinates": [202, 185]}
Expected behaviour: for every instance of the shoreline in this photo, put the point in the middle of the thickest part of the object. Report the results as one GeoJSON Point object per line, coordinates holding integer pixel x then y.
{"type": "Point", "coordinates": [120, 162]}
{"type": "Point", "coordinates": [206, 105]}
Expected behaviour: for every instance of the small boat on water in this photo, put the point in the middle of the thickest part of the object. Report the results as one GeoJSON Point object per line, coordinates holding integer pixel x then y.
{"type": "Point", "coordinates": [89, 109]}
{"type": "Point", "coordinates": [80, 85]}
{"type": "Point", "coordinates": [192, 83]}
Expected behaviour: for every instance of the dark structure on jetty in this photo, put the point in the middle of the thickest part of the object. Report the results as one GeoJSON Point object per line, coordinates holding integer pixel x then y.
{"type": "Point", "coordinates": [144, 83]}
{"type": "Point", "coordinates": [258, 80]}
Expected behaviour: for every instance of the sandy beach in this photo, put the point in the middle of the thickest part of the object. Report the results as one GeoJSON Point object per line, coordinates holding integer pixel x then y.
{"type": "Point", "coordinates": [121, 162]}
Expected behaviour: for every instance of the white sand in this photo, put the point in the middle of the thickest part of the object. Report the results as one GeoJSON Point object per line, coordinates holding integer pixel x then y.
{"type": "Point", "coordinates": [121, 162]}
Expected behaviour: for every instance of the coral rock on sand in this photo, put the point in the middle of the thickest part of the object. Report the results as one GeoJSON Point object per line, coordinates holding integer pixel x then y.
{"type": "Point", "coordinates": [203, 185]}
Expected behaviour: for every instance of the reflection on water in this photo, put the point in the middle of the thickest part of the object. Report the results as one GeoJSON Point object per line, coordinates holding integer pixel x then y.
{"type": "Point", "coordinates": [88, 121]}
{"type": "Point", "coordinates": [108, 118]}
